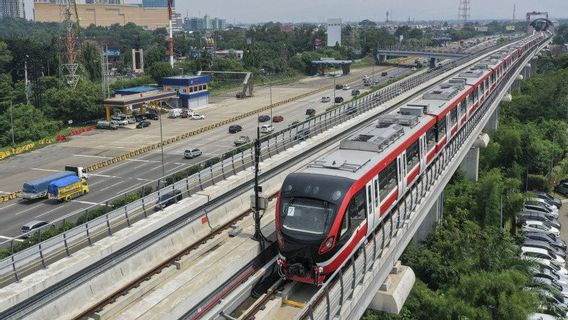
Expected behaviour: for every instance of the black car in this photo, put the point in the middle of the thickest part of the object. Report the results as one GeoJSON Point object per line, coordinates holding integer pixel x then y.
{"type": "Point", "coordinates": [338, 86]}
{"type": "Point", "coordinates": [152, 116]}
{"type": "Point", "coordinates": [263, 118]}
{"type": "Point", "coordinates": [530, 215]}
{"type": "Point", "coordinates": [143, 124]}
{"type": "Point", "coordinates": [355, 92]}
{"type": "Point", "coordinates": [310, 112]}
{"type": "Point", "coordinates": [550, 238]}
{"type": "Point", "coordinates": [544, 245]}
{"type": "Point", "coordinates": [235, 128]}
{"type": "Point", "coordinates": [338, 99]}
{"type": "Point", "coordinates": [548, 198]}
{"type": "Point", "coordinates": [139, 117]}
{"type": "Point", "coordinates": [167, 199]}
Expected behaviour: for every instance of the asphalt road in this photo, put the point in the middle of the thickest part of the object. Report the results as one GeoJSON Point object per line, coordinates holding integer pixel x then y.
{"type": "Point", "coordinates": [133, 173]}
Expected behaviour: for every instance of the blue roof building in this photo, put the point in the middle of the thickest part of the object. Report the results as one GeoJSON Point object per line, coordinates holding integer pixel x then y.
{"type": "Point", "coordinates": [193, 91]}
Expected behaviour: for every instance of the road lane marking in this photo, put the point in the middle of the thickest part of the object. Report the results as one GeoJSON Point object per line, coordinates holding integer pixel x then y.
{"type": "Point", "coordinates": [49, 211]}
{"type": "Point", "coordinates": [31, 208]}
{"type": "Point", "coordinates": [91, 156]}
{"type": "Point", "coordinates": [146, 180]}
{"type": "Point", "coordinates": [112, 185]}
{"type": "Point", "coordinates": [104, 176]}
{"type": "Point", "coordinates": [87, 202]}
{"type": "Point", "coordinates": [8, 206]}
{"type": "Point", "coordinates": [48, 170]}
{"type": "Point", "coordinates": [142, 160]}
{"type": "Point", "coordinates": [10, 238]}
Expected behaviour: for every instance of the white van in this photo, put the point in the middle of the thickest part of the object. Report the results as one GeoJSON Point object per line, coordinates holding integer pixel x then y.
{"type": "Point", "coordinates": [266, 128]}
{"type": "Point", "coordinates": [174, 113]}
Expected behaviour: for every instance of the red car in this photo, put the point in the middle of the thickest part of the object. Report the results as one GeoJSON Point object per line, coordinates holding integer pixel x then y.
{"type": "Point", "coordinates": [277, 119]}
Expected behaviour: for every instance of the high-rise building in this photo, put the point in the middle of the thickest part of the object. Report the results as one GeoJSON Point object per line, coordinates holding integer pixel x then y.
{"type": "Point", "coordinates": [205, 23]}
{"type": "Point", "coordinates": [155, 3]}
{"type": "Point", "coordinates": [12, 8]}
{"type": "Point", "coordinates": [333, 32]}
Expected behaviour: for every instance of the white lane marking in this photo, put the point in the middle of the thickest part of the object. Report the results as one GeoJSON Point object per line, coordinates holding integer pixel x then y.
{"type": "Point", "coordinates": [28, 209]}
{"type": "Point", "coordinates": [8, 206]}
{"type": "Point", "coordinates": [9, 238]}
{"type": "Point", "coordinates": [104, 176]}
{"type": "Point", "coordinates": [112, 185]}
{"type": "Point", "coordinates": [91, 156]}
{"type": "Point", "coordinates": [87, 202]}
{"type": "Point", "coordinates": [141, 160]}
{"type": "Point", "coordinates": [48, 170]}
{"type": "Point", "coordinates": [146, 180]}
{"type": "Point", "coordinates": [112, 167]}
{"type": "Point", "coordinates": [49, 211]}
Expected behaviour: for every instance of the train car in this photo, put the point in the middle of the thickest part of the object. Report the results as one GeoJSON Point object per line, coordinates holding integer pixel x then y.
{"type": "Point", "coordinates": [326, 210]}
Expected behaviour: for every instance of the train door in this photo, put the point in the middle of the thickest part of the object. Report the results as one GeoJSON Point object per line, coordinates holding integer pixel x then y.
{"type": "Point", "coordinates": [401, 165]}
{"type": "Point", "coordinates": [423, 153]}
{"type": "Point", "coordinates": [371, 209]}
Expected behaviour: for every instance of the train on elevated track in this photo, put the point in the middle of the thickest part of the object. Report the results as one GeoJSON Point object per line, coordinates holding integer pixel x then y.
{"type": "Point", "coordinates": [325, 211]}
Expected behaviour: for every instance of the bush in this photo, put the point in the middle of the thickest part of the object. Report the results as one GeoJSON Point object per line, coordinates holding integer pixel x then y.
{"type": "Point", "coordinates": [538, 182]}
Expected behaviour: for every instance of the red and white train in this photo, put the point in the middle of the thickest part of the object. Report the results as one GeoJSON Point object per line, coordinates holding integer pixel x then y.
{"type": "Point", "coordinates": [327, 209]}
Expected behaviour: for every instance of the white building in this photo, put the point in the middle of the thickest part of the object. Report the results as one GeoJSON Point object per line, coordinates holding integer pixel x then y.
{"type": "Point", "coordinates": [333, 32]}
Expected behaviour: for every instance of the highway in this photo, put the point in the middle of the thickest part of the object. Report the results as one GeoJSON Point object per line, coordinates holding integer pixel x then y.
{"type": "Point", "coordinates": [134, 173]}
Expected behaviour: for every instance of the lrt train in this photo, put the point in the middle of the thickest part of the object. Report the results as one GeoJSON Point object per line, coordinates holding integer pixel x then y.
{"type": "Point", "coordinates": [325, 211]}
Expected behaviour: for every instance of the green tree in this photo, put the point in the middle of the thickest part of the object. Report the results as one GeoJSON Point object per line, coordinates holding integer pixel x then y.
{"type": "Point", "coordinates": [30, 124]}
{"type": "Point", "coordinates": [160, 70]}
{"type": "Point", "coordinates": [5, 56]}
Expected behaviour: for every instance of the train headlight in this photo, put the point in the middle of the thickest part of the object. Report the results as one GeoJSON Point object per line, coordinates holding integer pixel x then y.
{"type": "Point", "coordinates": [327, 245]}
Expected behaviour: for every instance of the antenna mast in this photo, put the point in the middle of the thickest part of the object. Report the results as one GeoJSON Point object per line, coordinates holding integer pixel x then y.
{"type": "Point", "coordinates": [464, 11]}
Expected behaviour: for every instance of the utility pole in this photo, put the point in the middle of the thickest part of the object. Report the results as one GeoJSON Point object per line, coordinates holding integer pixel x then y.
{"type": "Point", "coordinates": [257, 189]}
{"type": "Point", "coordinates": [161, 144]}
{"type": "Point", "coordinates": [334, 90]}
{"type": "Point", "coordinates": [12, 121]}
{"type": "Point", "coordinates": [270, 86]}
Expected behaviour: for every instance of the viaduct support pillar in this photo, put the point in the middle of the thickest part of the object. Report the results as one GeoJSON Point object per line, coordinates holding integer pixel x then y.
{"type": "Point", "coordinates": [493, 122]}
{"type": "Point", "coordinates": [394, 291]}
{"type": "Point", "coordinates": [470, 163]}
{"type": "Point", "coordinates": [382, 58]}
{"type": "Point", "coordinates": [432, 63]}
{"type": "Point", "coordinates": [434, 216]}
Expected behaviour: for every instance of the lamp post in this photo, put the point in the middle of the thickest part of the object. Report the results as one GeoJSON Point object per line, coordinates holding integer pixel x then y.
{"type": "Point", "coordinates": [334, 90]}
{"type": "Point", "coordinates": [270, 86]}
{"type": "Point", "coordinates": [161, 144]}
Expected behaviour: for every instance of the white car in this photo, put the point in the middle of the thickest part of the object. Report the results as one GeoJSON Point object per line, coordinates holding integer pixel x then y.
{"type": "Point", "coordinates": [539, 226]}
{"type": "Point", "coordinates": [346, 87]}
{"type": "Point", "coordinates": [266, 128]}
{"type": "Point", "coordinates": [546, 204]}
{"type": "Point", "coordinates": [325, 99]}
{"type": "Point", "coordinates": [541, 253]}
{"type": "Point", "coordinates": [196, 116]}
{"type": "Point", "coordinates": [549, 263]}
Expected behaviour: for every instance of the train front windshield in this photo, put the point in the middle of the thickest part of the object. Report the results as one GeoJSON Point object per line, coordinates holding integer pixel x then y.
{"type": "Point", "coordinates": [309, 204]}
{"type": "Point", "coordinates": [307, 215]}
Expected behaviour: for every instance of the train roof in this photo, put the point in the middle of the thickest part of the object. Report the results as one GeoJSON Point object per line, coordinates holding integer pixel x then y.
{"type": "Point", "coordinates": [437, 100]}
{"type": "Point", "coordinates": [375, 142]}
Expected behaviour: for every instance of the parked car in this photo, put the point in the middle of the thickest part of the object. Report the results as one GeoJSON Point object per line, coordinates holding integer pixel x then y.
{"type": "Point", "coordinates": [28, 228]}
{"type": "Point", "coordinates": [143, 124]}
{"type": "Point", "coordinates": [140, 117]}
{"type": "Point", "coordinates": [174, 113]}
{"type": "Point", "coordinates": [339, 99]}
{"type": "Point", "coordinates": [559, 268]}
{"type": "Point", "coordinates": [546, 273]}
{"type": "Point", "coordinates": [325, 99]}
{"type": "Point", "coordinates": [167, 199]}
{"type": "Point", "coordinates": [548, 198]}
{"type": "Point", "coordinates": [541, 208]}
{"type": "Point", "coordinates": [529, 215]}
{"type": "Point", "coordinates": [241, 140]}
{"type": "Point", "coordinates": [131, 120]}
{"type": "Point", "coordinates": [562, 188]}
{"type": "Point", "coordinates": [196, 116]}
{"type": "Point", "coordinates": [294, 123]}
{"type": "Point", "coordinates": [310, 112]}
{"type": "Point", "coordinates": [277, 118]}
{"type": "Point", "coordinates": [549, 215]}
{"type": "Point", "coordinates": [152, 116]}
{"type": "Point", "coordinates": [544, 245]}
{"type": "Point", "coordinates": [191, 153]}
{"type": "Point", "coordinates": [355, 92]}
{"type": "Point", "coordinates": [302, 134]}
{"type": "Point", "coordinates": [541, 253]}
{"type": "Point", "coordinates": [540, 226]}
{"type": "Point", "coordinates": [338, 86]}
{"type": "Point", "coordinates": [346, 87]}
{"type": "Point", "coordinates": [557, 300]}
{"type": "Point", "coordinates": [551, 239]}
{"type": "Point", "coordinates": [384, 74]}
{"type": "Point", "coordinates": [263, 118]}
{"type": "Point", "coordinates": [552, 283]}
{"type": "Point", "coordinates": [119, 123]}
{"type": "Point", "coordinates": [266, 128]}
{"type": "Point", "coordinates": [541, 203]}
{"type": "Point", "coordinates": [103, 124]}
{"type": "Point", "coordinates": [120, 120]}
{"type": "Point", "coordinates": [235, 128]}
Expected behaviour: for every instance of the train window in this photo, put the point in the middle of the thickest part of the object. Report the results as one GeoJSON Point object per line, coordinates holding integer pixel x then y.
{"type": "Point", "coordinates": [431, 138]}
{"type": "Point", "coordinates": [344, 225]}
{"type": "Point", "coordinates": [308, 216]}
{"type": "Point", "coordinates": [463, 107]}
{"type": "Point", "coordinates": [482, 86]}
{"type": "Point", "coordinates": [387, 180]}
{"type": "Point", "coordinates": [412, 154]}
{"type": "Point", "coordinates": [470, 99]}
{"type": "Point", "coordinates": [441, 128]}
{"type": "Point", "coordinates": [376, 193]}
{"type": "Point", "coordinates": [454, 116]}
{"type": "Point", "coordinates": [476, 94]}
{"type": "Point", "coordinates": [370, 198]}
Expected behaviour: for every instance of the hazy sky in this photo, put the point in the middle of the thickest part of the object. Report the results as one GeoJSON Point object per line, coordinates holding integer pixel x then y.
{"type": "Point", "coordinates": [355, 10]}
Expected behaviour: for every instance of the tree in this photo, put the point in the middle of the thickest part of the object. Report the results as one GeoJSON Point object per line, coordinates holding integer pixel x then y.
{"type": "Point", "coordinates": [91, 60]}
{"type": "Point", "coordinates": [30, 124]}
{"type": "Point", "coordinates": [161, 70]}
{"type": "Point", "coordinates": [5, 56]}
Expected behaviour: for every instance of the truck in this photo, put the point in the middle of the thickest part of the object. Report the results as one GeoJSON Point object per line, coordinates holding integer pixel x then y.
{"type": "Point", "coordinates": [37, 189]}
{"type": "Point", "coordinates": [67, 188]}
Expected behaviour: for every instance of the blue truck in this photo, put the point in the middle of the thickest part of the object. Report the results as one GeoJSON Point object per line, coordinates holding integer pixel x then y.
{"type": "Point", "coordinates": [37, 189]}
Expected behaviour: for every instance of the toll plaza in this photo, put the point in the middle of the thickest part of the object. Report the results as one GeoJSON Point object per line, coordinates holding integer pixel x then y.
{"type": "Point", "coordinates": [320, 66]}
{"type": "Point", "coordinates": [136, 98]}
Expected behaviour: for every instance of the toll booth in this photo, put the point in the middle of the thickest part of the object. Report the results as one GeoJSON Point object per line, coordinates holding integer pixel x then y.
{"type": "Point", "coordinates": [193, 91]}
{"type": "Point", "coordinates": [130, 99]}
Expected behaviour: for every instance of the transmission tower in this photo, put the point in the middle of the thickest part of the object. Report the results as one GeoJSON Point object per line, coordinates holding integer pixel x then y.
{"type": "Point", "coordinates": [70, 66]}
{"type": "Point", "coordinates": [464, 11]}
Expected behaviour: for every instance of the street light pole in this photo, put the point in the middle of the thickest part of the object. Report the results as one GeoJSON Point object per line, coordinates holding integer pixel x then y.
{"type": "Point", "coordinates": [12, 121]}
{"type": "Point", "coordinates": [162, 143]}
{"type": "Point", "coordinates": [334, 90]}
{"type": "Point", "coordinates": [270, 86]}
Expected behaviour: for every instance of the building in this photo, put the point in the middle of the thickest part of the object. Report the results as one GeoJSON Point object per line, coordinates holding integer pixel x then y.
{"type": "Point", "coordinates": [155, 3]}
{"type": "Point", "coordinates": [105, 15]}
{"type": "Point", "coordinates": [333, 32]}
{"type": "Point", "coordinates": [193, 91]}
{"type": "Point", "coordinates": [104, 1]}
{"type": "Point", "coordinates": [204, 24]}
{"type": "Point", "coordinates": [12, 8]}
{"type": "Point", "coordinates": [238, 54]}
